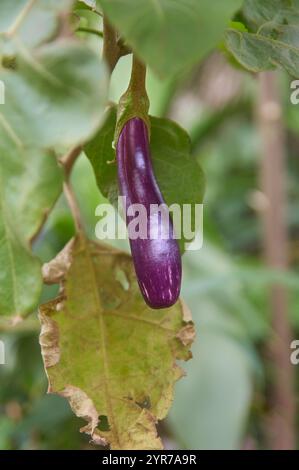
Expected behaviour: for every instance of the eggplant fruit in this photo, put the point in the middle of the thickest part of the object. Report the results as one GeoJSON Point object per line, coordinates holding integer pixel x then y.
{"type": "Point", "coordinates": [155, 253]}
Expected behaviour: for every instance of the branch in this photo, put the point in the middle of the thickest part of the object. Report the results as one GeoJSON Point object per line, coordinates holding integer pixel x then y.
{"type": "Point", "coordinates": [67, 163]}
{"type": "Point", "coordinates": [73, 205]}
{"type": "Point", "coordinates": [281, 432]}
{"type": "Point", "coordinates": [68, 160]}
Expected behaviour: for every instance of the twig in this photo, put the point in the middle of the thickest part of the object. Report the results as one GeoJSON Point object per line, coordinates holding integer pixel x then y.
{"type": "Point", "coordinates": [68, 160]}
{"type": "Point", "coordinates": [73, 205]}
{"type": "Point", "coordinates": [67, 163]}
{"type": "Point", "coordinates": [281, 431]}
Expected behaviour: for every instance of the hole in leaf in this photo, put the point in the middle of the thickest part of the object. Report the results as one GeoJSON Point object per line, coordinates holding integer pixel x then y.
{"type": "Point", "coordinates": [145, 403]}
{"type": "Point", "coordinates": [275, 33]}
{"type": "Point", "coordinates": [103, 423]}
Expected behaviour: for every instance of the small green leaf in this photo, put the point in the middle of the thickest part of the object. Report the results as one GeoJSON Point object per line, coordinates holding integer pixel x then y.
{"type": "Point", "coordinates": [107, 352]}
{"type": "Point", "coordinates": [273, 41]}
{"type": "Point", "coordinates": [171, 35]}
{"type": "Point", "coordinates": [179, 176]}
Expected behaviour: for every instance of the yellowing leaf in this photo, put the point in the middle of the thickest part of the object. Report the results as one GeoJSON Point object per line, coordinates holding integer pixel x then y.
{"type": "Point", "coordinates": [108, 353]}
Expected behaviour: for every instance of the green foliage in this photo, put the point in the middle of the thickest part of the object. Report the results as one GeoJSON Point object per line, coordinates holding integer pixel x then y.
{"type": "Point", "coordinates": [109, 354]}
{"type": "Point", "coordinates": [54, 85]}
{"type": "Point", "coordinates": [30, 182]}
{"type": "Point", "coordinates": [49, 86]}
{"type": "Point", "coordinates": [169, 35]}
{"type": "Point", "coordinates": [19, 19]}
{"type": "Point", "coordinates": [273, 40]}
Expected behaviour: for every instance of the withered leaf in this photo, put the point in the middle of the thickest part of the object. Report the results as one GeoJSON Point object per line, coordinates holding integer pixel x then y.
{"type": "Point", "coordinates": [108, 353]}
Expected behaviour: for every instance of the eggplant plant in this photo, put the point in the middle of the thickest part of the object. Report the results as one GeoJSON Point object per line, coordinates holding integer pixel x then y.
{"type": "Point", "coordinates": [113, 326]}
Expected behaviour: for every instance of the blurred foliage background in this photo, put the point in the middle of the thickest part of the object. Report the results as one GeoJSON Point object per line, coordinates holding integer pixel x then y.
{"type": "Point", "coordinates": [222, 402]}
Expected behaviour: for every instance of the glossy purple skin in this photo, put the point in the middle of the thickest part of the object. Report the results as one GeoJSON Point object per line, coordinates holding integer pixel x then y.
{"type": "Point", "coordinates": [157, 261]}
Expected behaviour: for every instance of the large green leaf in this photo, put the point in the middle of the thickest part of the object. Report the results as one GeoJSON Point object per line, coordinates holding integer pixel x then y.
{"type": "Point", "coordinates": [274, 38]}
{"type": "Point", "coordinates": [30, 182]}
{"type": "Point", "coordinates": [57, 90]}
{"type": "Point", "coordinates": [171, 35]}
{"type": "Point", "coordinates": [106, 351]}
{"type": "Point", "coordinates": [56, 96]}
{"type": "Point", "coordinates": [179, 176]}
{"type": "Point", "coordinates": [30, 21]}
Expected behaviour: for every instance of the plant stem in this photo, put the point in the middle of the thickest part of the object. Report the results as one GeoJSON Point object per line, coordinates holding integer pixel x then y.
{"type": "Point", "coordinates": [138, 76]}
{"type": "Point", "coordinates": [111, 52]}
{"type": "Point", "coordinates": [281, 431]}
{"type": "Point", "coordinates": [69, 159]}
{"type": "Point", "coordinates": [134, 102]}
{"type": "Point", "coordinates": [73, 205]}
{"type": "Point", "coordinates": [67, 163]}
{"type": "Point", "coordinates": [113, 47]}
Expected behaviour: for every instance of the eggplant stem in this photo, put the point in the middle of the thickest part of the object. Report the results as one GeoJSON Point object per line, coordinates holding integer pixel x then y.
{"type": "Point", "coordinates": [138, 76]}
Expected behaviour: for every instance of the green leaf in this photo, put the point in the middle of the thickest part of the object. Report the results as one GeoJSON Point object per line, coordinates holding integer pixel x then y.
{"type": "Point", "coordinates": [171, 35]}
{"type": "Point", "coordinates": [273, 41]}
{"type": "Point", "coordinates": [88, 3]}
{"type": "Point", "coordinates": [57, 90]}
{"type": "Point", "coordinates": [54, 97]}
{"type": "Point", "coordinates": [106, 351]}
{"type": "Point", "coordinates": [30, 182]}
{"type": "Point", "coordinates": [179, 176]}
{"type": "Point", "coordinates": [102, 156]}
{"type": "Point", "coordinates": [57, 95]}
{"type": "Point", "coordinates": [30, 22]}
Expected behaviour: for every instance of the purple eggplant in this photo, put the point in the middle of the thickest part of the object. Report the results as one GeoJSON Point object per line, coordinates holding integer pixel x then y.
{"type": "Point", "coordinates": [155, 253]}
